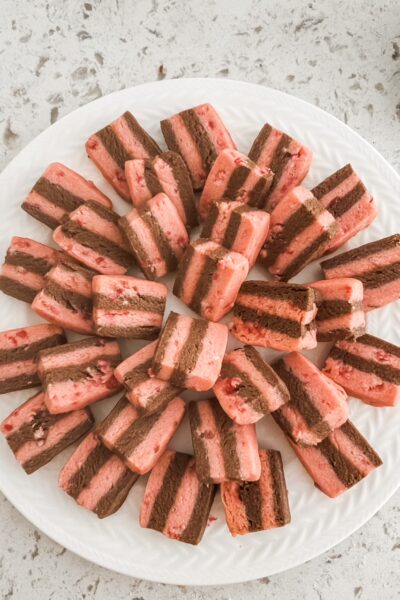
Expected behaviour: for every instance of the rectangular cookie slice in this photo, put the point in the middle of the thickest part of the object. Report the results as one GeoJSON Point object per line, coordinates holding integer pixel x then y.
{"type": "Point", "coordinates": [300, 230]}
{"type": "Point", "coordinates": [287, 158]}
{"type": "Point", "coordinates": [25, 265]}
{"type": "Point", "coordinates": [198, 135]}
{"type": "Point", "coordinates": [58, 192]}
{"type": "Point", "coordinates": [209, 278]}
{"type": "Point", "coordinates": [237, 226]}
{"type": "Point", "coordinates": [376, 265]}
{"type": "Point", "coordinates": [19, 350]}
{"type": "Point", "coordinates": [340, 461]}
{"type": "Point", "coordinates": [258, 505]}
{"type": "Point", "coordinates": [66, 297]}
{"type": "Point", "coordinates": [248, 388]}
{"type": "Point", "coordinates": [348, 200]}
{"type": "Point", "coordinates": [128, 307]}
{"type": "Point", "coordinates": [234, 176]}
{"type": "Point", "coordinates": [157, 236]}
{"type": "Point", "coordinates": [190, 352]}
{"type": "Point", "coordinates": [368, 368]}
{"type": "Point", "coordinates": [35, 436]}
{"type": "Point", "coordinates": [317, 405]}
{"type": "Point", "coordinates": [96, 478]}
{"type": "Point", "coordinates": [77, 374]}
{"type": "Point", "coordinates": [340, 309]}
{"type": "Point", "coordinates": [91, 236]}
{"type": "Point", "coordinates": [176, 503]}
{"type": "Point", "coordinates": [275, 315]}
{"type": "Point", "coordinates": [118, 142]}
{"type": "Point", "coordinates": [166, 173]}
{"type": "Point", "coordinates": [223, 449]}
{"type": "Point", "coordinates": [140, 440]}
{"type": "Point", "coordinates": [147, 394]}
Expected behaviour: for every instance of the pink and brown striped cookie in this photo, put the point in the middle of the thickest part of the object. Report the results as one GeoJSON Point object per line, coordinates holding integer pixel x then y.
{"type": "Point", "coordinates": [140, 440]}
{"type": "Point", "coordinates": [198, 135]}
{"type": "Point", "coordinates": [96, 478]}
{"type": "Point", "coordinates": [376, 265]}
{"type": "Point", "coordinates": [248, 388]}
{"type": "Point", "coordinates": [275, 315]}
{"type": "Point", "coordinates": [235, 176]}
{"type": "Point", "coordinates": [368, 368]}
{"type": "Point", "coordinates": [66, 297]}
{"type": "Point", "coordinates": [128, 307]}
{"type": "Point", "coordinates": [58, 192]}
{"type": "Point", "coordinates": [19, 350]}
{"type": "Point", "coordinates": [176, 503]}
{"type": "Point", "coordinates": [77, 374]}
{"type": "Point", "coordinates": [190, 352]}
{"type": "Point", "coordinates": [348, 200]}
{"type": "Point", "coordinates": [340, 461]}
{"type": "Point", "coordinates": [340, 309]}
{"type": "Point", "coordinates": [25, 265]}
{"type": "Point", "coordinates": [166, 173]}
{"type": "Point", "coordinates": [35, 436]}
{"type": "Point", "coordinates": [209, 278]}
{"type": "Point", "coordinates": [238, 227]}
{"type": "Point", "coordinates": [287, 158]}
{"type": "Point", "coordinates": [317, 405]}
{"type": "Point", "coordinates": [157, 236]}
{"type": "Point", "coordinates": [115, 144]}
{"type": "Point", "coordinates": [258, 505]}
{"type": "Point", "coordinates": [300, 231]}
{"type": "Point", "coordinates": [91, 236]}
{"type": "Point", "coordinates": [223, 449]}
{"type": "Point", "coordinates": [147, 394]}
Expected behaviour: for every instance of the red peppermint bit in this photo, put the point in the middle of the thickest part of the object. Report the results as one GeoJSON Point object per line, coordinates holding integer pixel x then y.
{"type": "Point", "coordinates": [232, 385]}
{"type": "Point", "coordinates": [211, 519]}
{"type": "Point", "coordinates": [7, 427]}
{"type": "Point", "coordinates": [22, 334]}
{"type": "Point", "coordinates": [112, 383]}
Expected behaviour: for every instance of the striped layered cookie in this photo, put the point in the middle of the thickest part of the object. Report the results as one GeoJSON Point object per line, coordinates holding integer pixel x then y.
{"type": "Point", "coordinates": [25, 265]}
{"type": "Point", "coordinates": [209, 278]}
{"type": "Point", "coordinates": [91, 236]}
{"type": "Point", "coordinates": [340, 461]}
{"type": "Point", "coordinates": [276, 315]}
{"type": "Point", "coordinates": [140, 440]}
{"type": "Point", "coordinates": [115, 144]}
{"type": "Point", "coordinates": [36, 437]}
{"type": "Point", "coordinates": [300, 231]}
{"type": "Point", "coordinates": [66, 297]}
{"type": "Point", "coordinates": [340, 309]}
{"type": "Point", "coordinates": [368, 368]}
{"type": "Point", "coordinates": [287, 158]}
{"type": "Point", "coordinates": [176, 503]}
{"type": "Point", "coordinates": [376, 265]}
{"type": "Point", "coordinates": [166, 173]}
{"type": "Point", "coordinates": [346, 197]}
{"type": "Point", "coordinates": [238, 227]}
{"type": "Point", "coordinates": [236, 177]}
{"type": "Point", "coordinates": [96, 478]}
{"type": "Point", "coordinates": [190, 352]}
{"type": "Point", "coordinates": [77, 374]}
{"type": "Point", "coordinates": [128, 307]}
{"type": "Point", "coordinates": [317, 405]}
{"type": "Point", "coordinates": [147, 394]}
{"type": "Point", "coordinates": [258, 505]}
{"type": "Point", "coordinates": [223, 449]}
{"type": "Point", "coordinates": [19, 349]}
{"type": "Point", "coordinates": [157, 236]}
{"type": "Point", "coordinates": [248, 388]}
{"type": "Point", "coordinates": [58, 192]}
{"type": "Point", "coordinates": [198, 135]}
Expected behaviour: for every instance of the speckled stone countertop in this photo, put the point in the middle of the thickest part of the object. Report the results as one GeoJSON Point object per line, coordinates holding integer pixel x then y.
{"type": "Point", "coordinates": [341, 56]}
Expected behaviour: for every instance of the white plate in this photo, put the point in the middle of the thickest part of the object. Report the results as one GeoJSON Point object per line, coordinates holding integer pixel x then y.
{"type": "Point", "coordinates": [318, 523]}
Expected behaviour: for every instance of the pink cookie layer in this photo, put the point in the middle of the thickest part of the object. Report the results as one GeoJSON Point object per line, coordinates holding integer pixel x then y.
{"type": "Point", "coordinates": [76, 184]}
{"type": "Point", "coordinates": [107, 166]}
{"type": "Point", "coordinates": [201, 343]}
{"type": "Point", "coordinates": [211, 279]}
